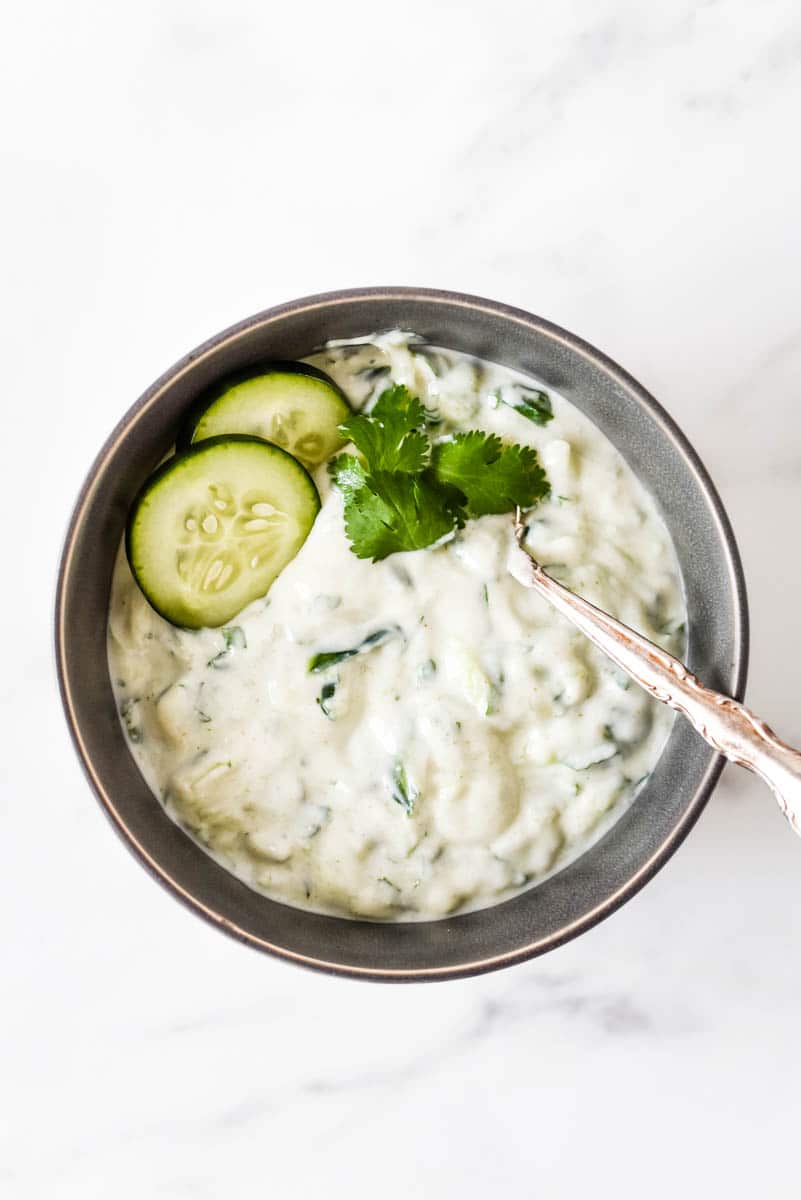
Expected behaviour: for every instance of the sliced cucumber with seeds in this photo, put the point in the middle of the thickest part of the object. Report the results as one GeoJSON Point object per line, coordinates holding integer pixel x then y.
{"type": "Point", "coordinates": [211, 529]}
{"type": "Point", "coordinates": [292, 405]}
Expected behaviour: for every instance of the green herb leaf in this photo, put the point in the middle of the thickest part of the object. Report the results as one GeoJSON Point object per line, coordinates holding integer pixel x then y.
{"type": "Point", "coordinates": [321, 662]}
{"type": "Point", "coordinates": [395, 512]}
{"type": "Point", "coordinates": [404, 793]}
{"type": "Point", "coordinates": [330, 658]}
{"type": "Point", "coordinates": [390, 436]}
{"type": "Point", "coordinates": [326, 696]}
{"type": "Point", "coordinates": [348, 473]}
{"type": "Point", "coordinates": [396, 406]}
{"type": "Point", "coordinates": [534, 404]}
{"type": "Point", "coordinates": [494, 478]}
{"type": "Point", "coordinates": [234, 639]}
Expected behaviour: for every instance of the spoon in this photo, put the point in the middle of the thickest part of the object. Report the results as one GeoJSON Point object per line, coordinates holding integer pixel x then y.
{"type": "Point", "coordinates": [728, 726]}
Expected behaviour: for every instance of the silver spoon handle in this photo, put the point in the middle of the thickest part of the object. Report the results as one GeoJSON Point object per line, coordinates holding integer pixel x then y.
{"type": "Point", "coordinates": [728, 726]}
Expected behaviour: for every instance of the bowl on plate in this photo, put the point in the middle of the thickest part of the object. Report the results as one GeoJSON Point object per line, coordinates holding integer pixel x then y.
{"type": "Point", "coordinates": [587, 889]}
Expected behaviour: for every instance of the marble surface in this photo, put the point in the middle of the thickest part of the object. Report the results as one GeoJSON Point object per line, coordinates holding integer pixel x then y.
{"type": "Point", "coordinates": [629, 171]}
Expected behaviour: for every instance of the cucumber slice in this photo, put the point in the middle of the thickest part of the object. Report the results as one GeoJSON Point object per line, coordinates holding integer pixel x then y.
{"type": "Point", "coordinates": [293, 405]}
{"type": "Point", "coordinates": [211, 529]}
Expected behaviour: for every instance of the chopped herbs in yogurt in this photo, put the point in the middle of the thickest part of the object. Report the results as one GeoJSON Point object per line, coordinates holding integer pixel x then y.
{"type": "Point", "coordinates": [407, 737]}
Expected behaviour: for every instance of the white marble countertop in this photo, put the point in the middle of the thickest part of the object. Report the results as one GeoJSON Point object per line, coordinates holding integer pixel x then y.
{"type": "Point", "coordinates": [172, 166]}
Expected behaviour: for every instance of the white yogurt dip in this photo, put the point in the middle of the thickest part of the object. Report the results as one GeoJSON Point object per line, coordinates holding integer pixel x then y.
{"type": "Point", "coordinates": [475, 742]}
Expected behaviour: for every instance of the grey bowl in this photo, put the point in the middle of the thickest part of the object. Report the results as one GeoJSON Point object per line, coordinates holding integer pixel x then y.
{"type": "Point", "coordinates": [585, 891]}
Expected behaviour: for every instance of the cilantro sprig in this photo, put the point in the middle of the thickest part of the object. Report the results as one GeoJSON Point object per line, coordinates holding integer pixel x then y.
{"type": "Point", "coordinates": [402, 493]}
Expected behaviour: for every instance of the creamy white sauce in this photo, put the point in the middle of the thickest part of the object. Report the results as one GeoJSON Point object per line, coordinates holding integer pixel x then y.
{"type": "Point", "coordinates": [513, 741]}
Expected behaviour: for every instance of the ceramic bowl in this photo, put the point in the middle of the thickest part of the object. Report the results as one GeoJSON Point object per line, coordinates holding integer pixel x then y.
{"type": "Point", "coordinates": [589, 888]}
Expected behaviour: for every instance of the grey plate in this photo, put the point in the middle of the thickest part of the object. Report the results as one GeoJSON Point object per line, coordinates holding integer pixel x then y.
{"type": "Point", "coordinates": [634, 848]}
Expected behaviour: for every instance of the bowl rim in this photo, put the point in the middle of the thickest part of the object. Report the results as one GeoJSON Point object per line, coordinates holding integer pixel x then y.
{"type": "Point", "coordinates": [670, 430]}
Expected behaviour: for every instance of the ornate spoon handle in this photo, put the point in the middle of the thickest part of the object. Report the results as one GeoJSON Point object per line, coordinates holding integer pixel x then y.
{"type": "Point", "coordinates": [730, 727]}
